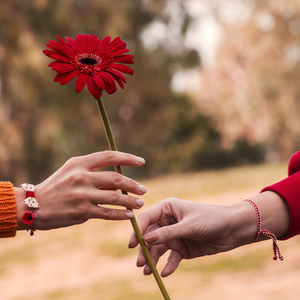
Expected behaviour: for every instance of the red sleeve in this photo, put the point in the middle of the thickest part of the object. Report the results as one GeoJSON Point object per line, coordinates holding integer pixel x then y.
{"type": "Point", "coordinates": [289, 190]}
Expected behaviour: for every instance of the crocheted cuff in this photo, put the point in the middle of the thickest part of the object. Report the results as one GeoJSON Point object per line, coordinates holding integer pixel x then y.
{"type": "Point", "coordinates": [8, 210]}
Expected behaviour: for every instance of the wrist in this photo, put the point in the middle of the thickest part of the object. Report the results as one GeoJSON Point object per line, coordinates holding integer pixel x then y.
{"type": "Point", "coordinates": [274, 213]}
{"type": "Point", "coordinates": [243, 223]}
{"type": "Point", "coordinates": [26, 205]}
{"type": "Point", "coordinates": [21, 208]}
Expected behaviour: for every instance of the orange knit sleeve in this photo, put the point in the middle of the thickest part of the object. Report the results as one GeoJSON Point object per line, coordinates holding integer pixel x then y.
{"type": "Point", "coordinates": [8, 210]}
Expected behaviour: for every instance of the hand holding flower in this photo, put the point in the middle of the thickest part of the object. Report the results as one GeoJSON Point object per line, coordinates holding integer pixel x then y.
{"type": "Point", "coordinates": [77, 191]}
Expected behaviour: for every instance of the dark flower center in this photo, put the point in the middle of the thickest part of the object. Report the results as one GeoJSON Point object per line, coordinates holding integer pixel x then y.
{"type": "Point", "coordinates": [88, 61]}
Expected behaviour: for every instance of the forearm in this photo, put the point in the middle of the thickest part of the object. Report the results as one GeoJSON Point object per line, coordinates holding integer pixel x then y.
{"type": "Point", "coordinates": [274, 215]}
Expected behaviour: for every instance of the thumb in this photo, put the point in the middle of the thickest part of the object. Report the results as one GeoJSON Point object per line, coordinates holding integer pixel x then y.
{"type": "Point", "coordinates": [164, 234]}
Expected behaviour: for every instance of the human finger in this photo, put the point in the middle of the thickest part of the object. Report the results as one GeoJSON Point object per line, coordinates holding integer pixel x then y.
{"type": "Point", "coordinates": [146, 219]}
{"type": "Point", "coordinates": [156, 252]}
{"type": "Point", "coordinates": [78, 216]}
{"type": "Point", "coordinates": [167, 234]}
{"type": "Point", "coordinates": [172, 264]}
{"type": "Point", "coordinates": [106, 197]}
{"type": "Point", "coordinates": [99, 212]}
{"type": "Point", "coordinates": [100, 160]}
{"type": "Point", "coordinates": [113, 180]}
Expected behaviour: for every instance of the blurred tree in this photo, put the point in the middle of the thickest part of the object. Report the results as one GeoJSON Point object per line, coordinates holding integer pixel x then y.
{"type": "Point", "coordinates": [45, 123]}
{"type": "Point", "coordinates": [253, 89]}
{"type": "Point", "coordinates": [42, 123]}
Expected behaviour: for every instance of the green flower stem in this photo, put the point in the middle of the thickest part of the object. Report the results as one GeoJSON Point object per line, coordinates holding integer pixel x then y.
{"type": "Point", "coordinates": [137, 231]}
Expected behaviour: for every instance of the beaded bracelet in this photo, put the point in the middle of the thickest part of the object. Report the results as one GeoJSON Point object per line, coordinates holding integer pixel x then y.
{"type": "Point", "coordinates": [265, 232]}
{"type": "Point", "coordinates": [29, 217]}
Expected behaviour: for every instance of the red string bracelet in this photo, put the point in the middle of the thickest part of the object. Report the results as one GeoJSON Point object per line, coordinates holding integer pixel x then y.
{"type": "Point", "coordinates": [267, 233]}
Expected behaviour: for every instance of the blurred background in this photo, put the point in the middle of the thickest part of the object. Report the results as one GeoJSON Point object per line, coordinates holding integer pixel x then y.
{"type": "Point", "coordinates": [216, 84]}
{"type": "Point", "coordinates": [216, 87]}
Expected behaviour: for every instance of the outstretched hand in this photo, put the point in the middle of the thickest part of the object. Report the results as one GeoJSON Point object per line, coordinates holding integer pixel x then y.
{"type": "Point", "coordinates": [77, 192]}
{"type": "Point", "coordinates": [186, 228]}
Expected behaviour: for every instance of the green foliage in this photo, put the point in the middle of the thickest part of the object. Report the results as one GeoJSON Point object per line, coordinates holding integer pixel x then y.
{"type": "Point", "coordinates": [193, 143]}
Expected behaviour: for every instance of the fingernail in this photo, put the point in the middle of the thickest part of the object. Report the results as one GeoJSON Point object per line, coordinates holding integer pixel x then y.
{"type": "Point", "coordinates": [142, 189]}
{"type": "Point", "coordinates": [129, 215]}
{"type": "Point", "coordinates": [139, 202]}
{"type": "Point", "coordinates": [140, 160]}
{"type": "Point", "coordinates": [151, 238]}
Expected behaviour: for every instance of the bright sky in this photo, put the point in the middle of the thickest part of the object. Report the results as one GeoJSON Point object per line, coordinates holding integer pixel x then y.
{"type": "Point", "coordinates": [203, 35]}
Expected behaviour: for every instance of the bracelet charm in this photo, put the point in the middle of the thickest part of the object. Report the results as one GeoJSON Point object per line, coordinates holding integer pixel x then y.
{"type": "Point", "coordinates": [29, 217]}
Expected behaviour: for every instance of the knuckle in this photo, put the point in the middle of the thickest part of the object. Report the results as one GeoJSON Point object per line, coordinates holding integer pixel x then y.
{"type": "Point", "coordinates": [106, 213]}
{"type": "Point", "coordinates": [72, 162]}
{"type": "Point", "coordinates": [140, 217]}
{"type": "Point", "coordinates": [115, 196]}
{"type": "Point", "coordinates": [143, 217]}
{"type": "Point", "coordinates": [132, 184]}
{"type": "Point", "coordinates": [166, 231]}
{"type": "Point", "coordinates": [108, 156]}
{"type": "Point", "coordinates": [78, 179]}
{"type": "Point", "coordinates": [128, 158]}
{"type": "Point", "coordinates": [81, 213]}
{"type": "Point", "coordinates": [169, 201]}
{"type": "Point", "coordinates": [78, 196]}
{"type": "Point", "coordinates": [116, 179]}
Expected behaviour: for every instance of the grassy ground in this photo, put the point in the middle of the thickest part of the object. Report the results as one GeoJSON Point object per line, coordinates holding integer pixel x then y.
{"type": "Point", "coordinates": [91, 261]}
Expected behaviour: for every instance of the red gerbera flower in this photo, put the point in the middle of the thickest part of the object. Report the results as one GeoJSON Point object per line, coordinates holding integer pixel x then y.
{"type": "Point", "coordinates": [95, 62]}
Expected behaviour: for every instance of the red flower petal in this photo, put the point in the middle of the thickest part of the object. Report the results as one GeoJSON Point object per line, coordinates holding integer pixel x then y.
{"type": "Point", "coordinates": [63, 43]}
{"type": "Point", "coordinates": [104, 42]}
{"type": "Point", "coordinates": [80, 82]}
{"type": "Point", "coordinates": [118, 75]}
{"type": "Point", "coordinates": [47, 52]}
{"type": "Point", "coordinates": [65, 78]}
{"type": "Point", "coordinates": [115, 45]}
{"type": "Point", "coordinates": [79, 40]}
{"type": "Point", "coordinates": [110, 88]}
{"type": "Point", "coordinates": [61, 67]}
{"type": "Point", "coordinates": [119, 81]}
{"type": "Point", "coordinates": [57, 56]}
{"type": "Point", "coordinates": [60, 47]}
{"type": "Point", "coordinates": [92, 87]}
{"type": "Point", "coordinates": [123, 59]}
{"type": "Point", "coordinates": [107, 77]}
{"type": "Point", "coordinates": [99, 81]}
{"type": "Point", "coordinates": [72, 44]}
{"type": "Point", "coordinates": [120, 52]}
{"type": "Point", "coordinates": [122, 68]}
{"type": "Point", "coordinates": [94, 43]}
